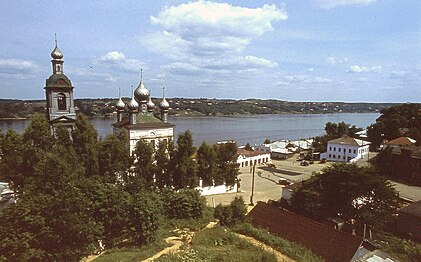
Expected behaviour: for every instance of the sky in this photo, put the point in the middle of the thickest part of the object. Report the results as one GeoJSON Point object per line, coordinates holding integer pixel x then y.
{"type": "Point", "coordinates": [307, 50]}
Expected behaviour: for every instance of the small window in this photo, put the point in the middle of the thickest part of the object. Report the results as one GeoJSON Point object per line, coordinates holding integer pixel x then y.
{"type": "Point", "coordinates": [339, 149]}
{"type": "Point", "coordinates": [334, 156]}
{"type": "Point", "coordinates": [330, 155]}
{"type": "Point", "coordinates": [330, 148]}
{"type": "Point", "coordinates": [349, 151]}
{"type": "Point", "coordinates": [334, 148]}
{"type": "Point", "coordinates": [61, 102]}
{"type": "Point", "coordinates": [355, 151]}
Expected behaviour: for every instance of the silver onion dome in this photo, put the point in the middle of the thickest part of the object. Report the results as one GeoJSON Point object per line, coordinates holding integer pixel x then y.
{"type": "Point", "coordinates": [56, 53]}
{"type": "Point", "coordinates": [141, 93]}
{"type": "Point", "coordinates": [151, 105]}
{"type": "Point", "coordinates": [164, 105]}
{"type": "Point", "coordinates": [132, 104]}
{"type": "Point", "coordinates": [120, 104]}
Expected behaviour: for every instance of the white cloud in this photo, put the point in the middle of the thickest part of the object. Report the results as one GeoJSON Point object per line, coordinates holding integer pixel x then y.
{"type": "Point", "coordinates": [311, 69]}
{"type": "Point", "coordinates": [363, 69]}
{"type": "Point", "coordinates": [212, 36]}
{"type": "Point", "coordinates": [16, 68]}
{"type": "Point", "coordinates": [304, 80]}
{"type": "Point", "coordinates": [117, 60]}
{"type": "Point", "coordinates": [333, 60]}
{"type": "Point", "coordinates": [113, 56]}
{"type": "Point", "coordinates": [328, 4]}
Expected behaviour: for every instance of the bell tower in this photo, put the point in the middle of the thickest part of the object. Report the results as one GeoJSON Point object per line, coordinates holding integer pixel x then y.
{"type": "Point", "coordinates": [59, 94]}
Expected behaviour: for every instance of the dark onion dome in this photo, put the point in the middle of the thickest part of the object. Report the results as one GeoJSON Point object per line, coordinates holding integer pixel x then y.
{"type": "Point", "coordinates": [132, 104]}
{"type": "Point", "coordinates": [164, 105]}
{"type": "Point", "coordinates": [141, 93]}
{"type": "Point", "coordinates": [56, 53]}
{"type": "Point", "coordinates": [151, 106]}
{"type": "Point", "coordinates": [120, 105]}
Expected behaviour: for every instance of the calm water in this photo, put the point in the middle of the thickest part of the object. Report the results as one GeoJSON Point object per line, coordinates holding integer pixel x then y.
{"type": "Point", "coordinates": [243, 129]}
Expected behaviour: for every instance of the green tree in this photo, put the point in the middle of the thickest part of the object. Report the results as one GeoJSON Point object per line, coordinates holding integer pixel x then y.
{"type": "Point", "coordinates": [143, 155]}
{"type": "Point", "coordinates": [162, 157]}
{"type": "Point", "coordinates": [228, 168]}
{"type": "Point", "coordinates": [185, 167]}
{"type": "Point", "coordinates": [114, 158]}
{"type": "Point", "coordinates": [52, 220]}
{"type": "Point", "coordinates": [85, 142]}
{"type": "Point", "coordinates": [183, 204]}
{"type": "Point", "coordinates": [145, 217]}
{"type": "Point", "coordinates": [233, 214]}
{"type": "Point", "coordinates": [111, 207]}
{"type": "Point", "coordinates": [339, 190]}
{"type": "Point", "coordinates": [11, 159]}
{"type": "Point", "coordinates": [207, 166]}
{"type": "Point", "coordinates": [38, 133]}
{"type": "Point", "coordinates": [396, 121]}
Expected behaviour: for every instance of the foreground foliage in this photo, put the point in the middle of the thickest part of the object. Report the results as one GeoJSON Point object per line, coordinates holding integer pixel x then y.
{"type": "Point", "coordinates": [74, 193]}
{"type": "Point", "coordinates": [232, 214]}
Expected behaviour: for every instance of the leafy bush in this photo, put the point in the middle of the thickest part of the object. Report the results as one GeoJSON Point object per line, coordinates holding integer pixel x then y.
{"type": "Point", "coordinates": [232, 214]}
{"type": "Point", "coordinates": [145, 217]}
{"type": "Point", "coordinates": [184, 204]}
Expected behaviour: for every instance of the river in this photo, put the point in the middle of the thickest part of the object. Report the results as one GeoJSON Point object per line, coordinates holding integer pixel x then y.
{"type": "Point", "coordinates": [252, 129]}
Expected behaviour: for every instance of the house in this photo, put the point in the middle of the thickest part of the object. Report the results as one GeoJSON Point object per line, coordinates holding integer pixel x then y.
{"type": "Point", "coordinates": [345, 149]}
{"type": "Point", "coordinates": [404, 163]}
{"type": "Point", "coordinates": [409, 220]}
{"type": "Point", "coordinates": [248, 158]}
{"type": "Point", "coordinates": [326, 242]}
{"type": "Point", "coordinates": [288, 191]}
{"type": "Point", "coordinates": [402, 141]}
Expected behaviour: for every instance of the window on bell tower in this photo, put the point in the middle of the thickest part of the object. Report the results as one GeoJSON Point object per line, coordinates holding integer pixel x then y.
{"type": "Point", "coordinates": [61, 101]}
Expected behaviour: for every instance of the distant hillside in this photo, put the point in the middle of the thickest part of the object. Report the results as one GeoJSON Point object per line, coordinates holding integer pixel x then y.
{"type": "Point", "coordinates": [103, 107]}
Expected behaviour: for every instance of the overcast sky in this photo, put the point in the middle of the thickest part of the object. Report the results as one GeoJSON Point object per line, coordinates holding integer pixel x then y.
{"type": "Point", "coordinates": [306, 50]}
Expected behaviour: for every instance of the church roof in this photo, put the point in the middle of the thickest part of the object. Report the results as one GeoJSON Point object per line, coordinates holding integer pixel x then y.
{"type": "Point", "coordinates": [58, 80]}
{"type": "Point", "coordinates": [143, 121]}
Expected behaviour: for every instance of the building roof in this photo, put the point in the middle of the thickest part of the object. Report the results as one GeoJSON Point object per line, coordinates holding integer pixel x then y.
{"type": "Point", "coordinates": [246, 153]}
{"type": "Point", "coordinates": [401, 141]}
{"type": "Point", "coordinates": [413, 209]}
{"type": "Point", "coordinates": [324, 241]}
{"type": "Point", "coordinates": [347, 140]}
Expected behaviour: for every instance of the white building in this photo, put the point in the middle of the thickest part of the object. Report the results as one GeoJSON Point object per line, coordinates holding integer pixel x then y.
{"type": "Point", "coordinates": [249, 158]}
{"type": "Point", "coordinates": [345, 149]}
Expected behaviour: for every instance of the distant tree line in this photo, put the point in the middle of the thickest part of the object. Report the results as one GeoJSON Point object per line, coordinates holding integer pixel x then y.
{"type": "Point", "coordinates": [73, 190]}
{"type": "Point", "coordinates": [199, 106]}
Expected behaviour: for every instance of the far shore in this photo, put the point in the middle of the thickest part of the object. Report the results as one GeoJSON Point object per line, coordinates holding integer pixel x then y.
{"type": "Point", "coordinates": [13, 118]}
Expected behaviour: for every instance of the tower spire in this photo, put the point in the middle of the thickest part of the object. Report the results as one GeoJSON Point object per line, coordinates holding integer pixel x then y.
{"type": "Point", "coordinates": [55, 38]}
{"type": "Point", "coordinates": [141, 74]}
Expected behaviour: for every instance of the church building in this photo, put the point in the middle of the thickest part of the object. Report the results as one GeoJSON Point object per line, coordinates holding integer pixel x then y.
{"type": "Point", "coordinates": [59, 95]}
{"type": "Point", "coordinates": [137, 119]}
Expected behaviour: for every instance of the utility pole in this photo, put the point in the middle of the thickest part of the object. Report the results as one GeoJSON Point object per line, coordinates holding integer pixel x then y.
{"type": "Point", "coordinates": [252, 185]}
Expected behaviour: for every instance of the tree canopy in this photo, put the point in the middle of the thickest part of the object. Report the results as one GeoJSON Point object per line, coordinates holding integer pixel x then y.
{"type": "Point", "coordinates": [396, 121]}
{"type": "Point", "coordinates": [349, 192]}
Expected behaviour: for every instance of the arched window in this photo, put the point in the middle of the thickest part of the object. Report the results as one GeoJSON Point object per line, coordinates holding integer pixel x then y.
{"type": "Point", "coordinates": [61, 101]}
